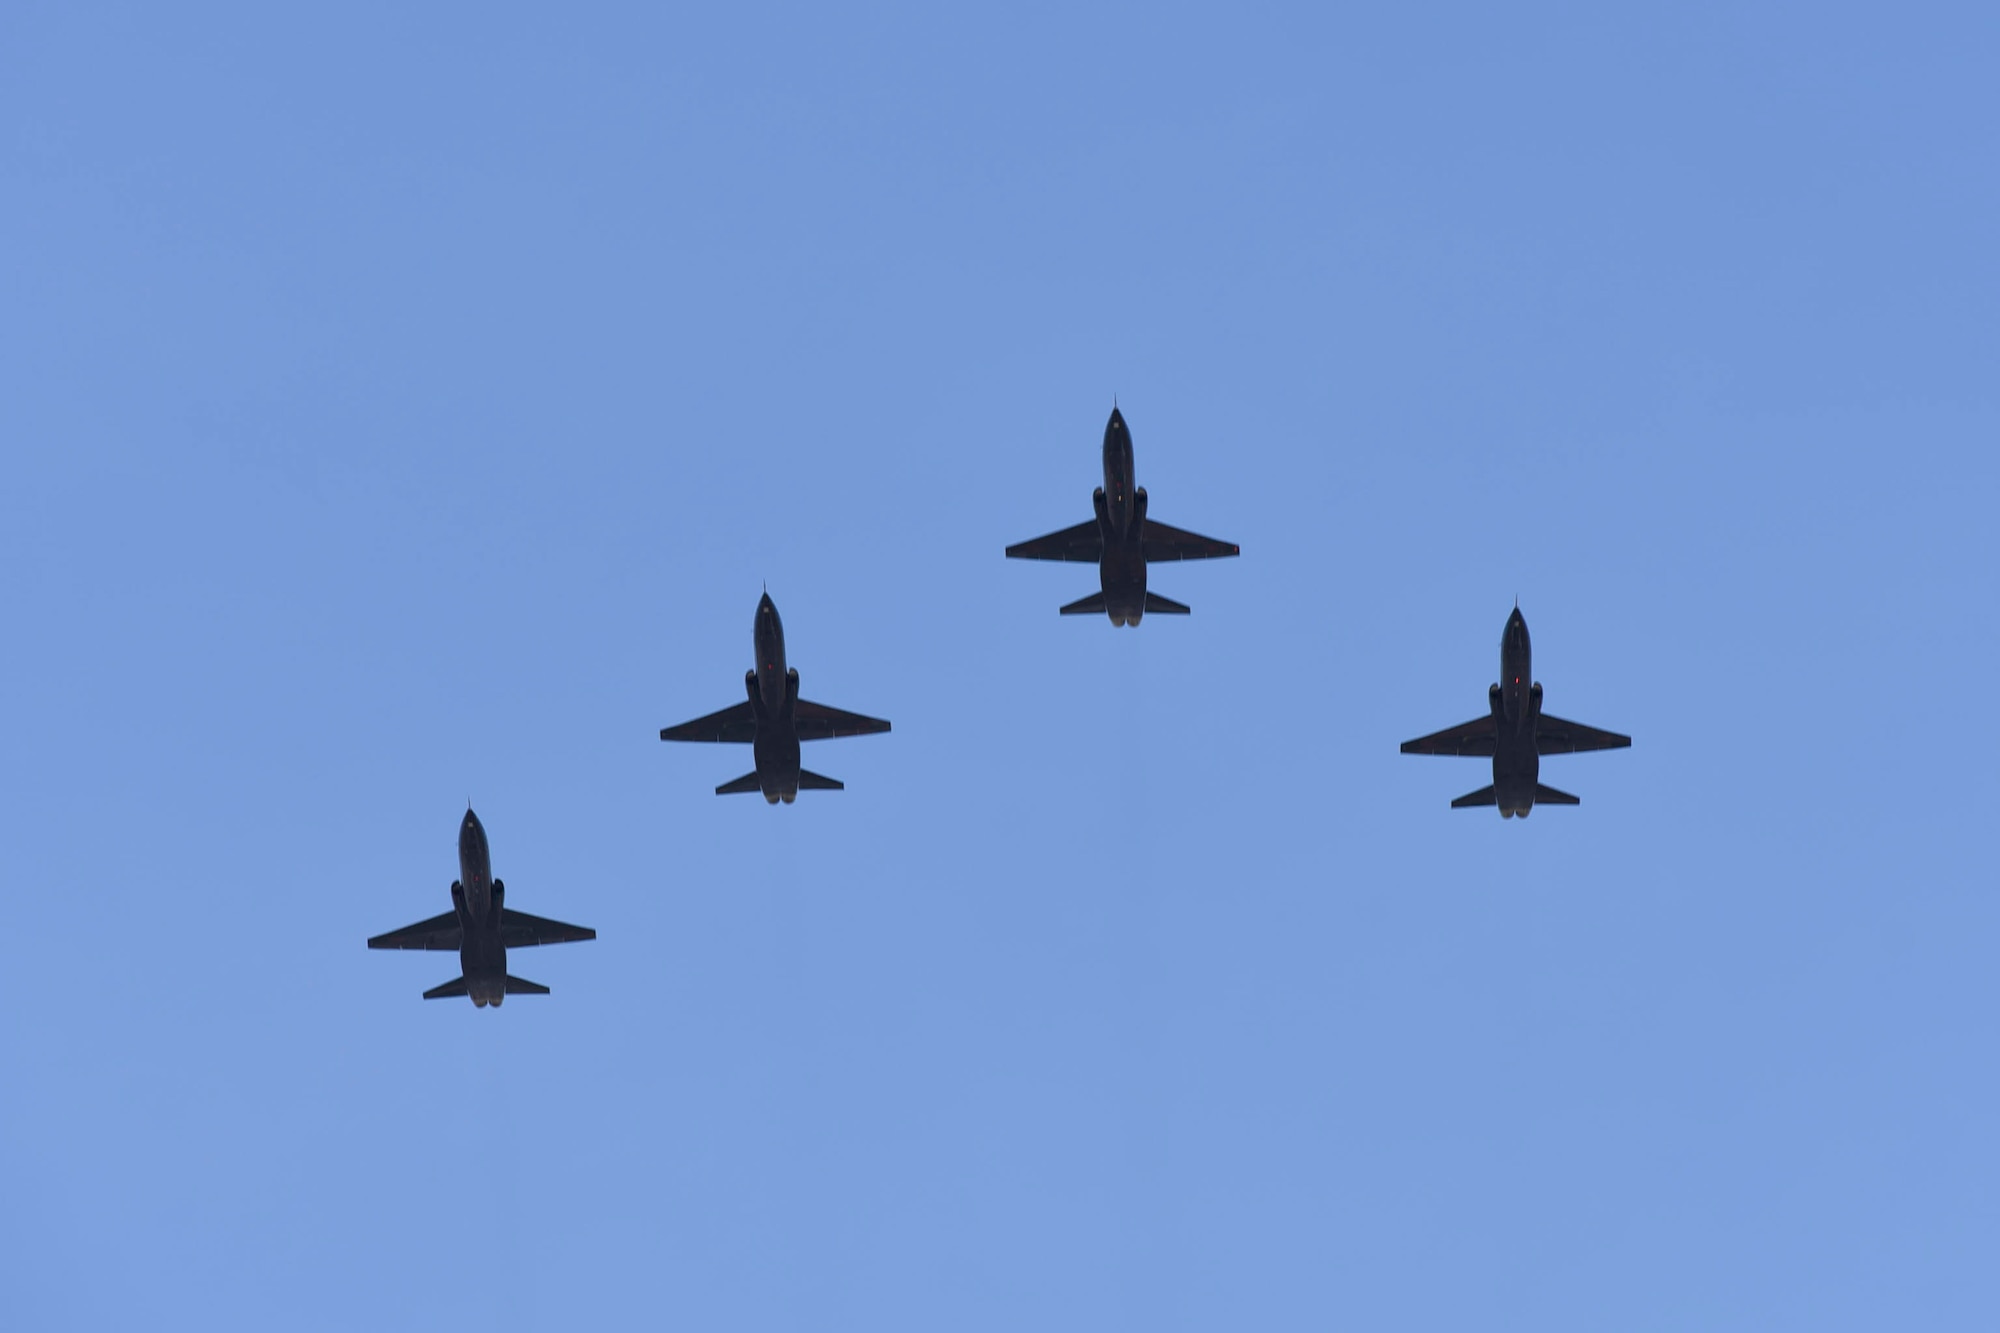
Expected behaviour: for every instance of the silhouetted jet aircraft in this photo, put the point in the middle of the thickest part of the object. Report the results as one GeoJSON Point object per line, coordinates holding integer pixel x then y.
{"type": "Point", "coordinates": [1516, 733]}
{"type": "Point", "coordinates": [774, 720]}
{"type": "Point", "coordinates": [1121, 541]}
{"type": "Point", "coordinates": [482, 928]}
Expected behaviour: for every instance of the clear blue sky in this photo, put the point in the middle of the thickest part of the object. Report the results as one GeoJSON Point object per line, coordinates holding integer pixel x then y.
{"type": "Point", "coordinates": [400, 408]}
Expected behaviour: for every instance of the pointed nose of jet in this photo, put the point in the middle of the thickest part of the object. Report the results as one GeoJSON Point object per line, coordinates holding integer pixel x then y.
{"type": "Point", "coordinates": [1117, 423]}
{"type": "Point", "coordinates": [765, 606]}
{"type": "Point", "coordinates": [1516, 621]}
{"type": "Point", "coordinates": [470, 833]}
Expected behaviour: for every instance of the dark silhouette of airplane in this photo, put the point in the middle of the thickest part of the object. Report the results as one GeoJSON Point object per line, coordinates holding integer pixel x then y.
{"type": "Point", "coordinates": [482, 928]}
{"type": "Point", "coordinates": [1121, 541]}
{"type": "Point", "coordinates": [1516, 733]}
{"type": "Point", "coordinates": [774, 720]}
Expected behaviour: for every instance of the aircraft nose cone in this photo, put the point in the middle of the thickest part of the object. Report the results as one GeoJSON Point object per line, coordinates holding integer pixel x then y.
{"type": "Point", "coordinates": [1117, 420]}
{"type": "Point", "coordinates": [765, 605]}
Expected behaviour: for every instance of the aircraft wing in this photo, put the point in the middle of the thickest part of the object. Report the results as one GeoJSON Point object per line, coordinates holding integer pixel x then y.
{"type": "Point", "coordinates": [1555, 736]}
{"type": "Point", "coordinates": [1082, 543]}
{"type": "Point", "coordinates": [518, 930]}
{"type": "Point", "coordinates": [1467, 738]}
{"type": "Point", "coordinates": [1161, 542]}
{"type": "Point", "coordinates": [738, 723]}
{"type": "Point", "coordinates": [817, 722]}
{"type": "Point", "coordinates": [440, 932]}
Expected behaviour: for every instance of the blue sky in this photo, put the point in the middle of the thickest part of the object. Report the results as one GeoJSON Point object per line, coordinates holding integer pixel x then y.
{"type": "Point", "coordinates": [406, 408]}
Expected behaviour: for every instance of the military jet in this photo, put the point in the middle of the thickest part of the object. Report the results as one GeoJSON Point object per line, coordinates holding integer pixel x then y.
{"type": "Point", "coordinates": [1516, 733]}
{"type": "Point", "coordinates": [1121, 541]}
{"type": "Point", "coordinates": [774, 720]}
{"type": "Point", "coordinates": [482, 928]}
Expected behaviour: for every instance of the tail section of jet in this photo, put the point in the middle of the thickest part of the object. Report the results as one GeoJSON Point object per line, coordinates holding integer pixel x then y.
{"type": "Point", "coordinates": [1098, 605]}
{"type": "Point", "coordinates": [485, 991]}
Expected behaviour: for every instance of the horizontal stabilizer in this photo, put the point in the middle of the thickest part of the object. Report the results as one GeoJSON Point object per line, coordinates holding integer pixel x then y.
{"type": "Point", "coordinates": [747, 783]}
{"type": "Point", "coordinates": [1092, 605]}
{"type": "Point", "coordinates": [454, 987]}
{"type": "Point", "coordinates": [516, 986]}
{"type": "Point", "coordinates": [1484, 796]}
{"type": "Point", "coordinates": [1157, 605]}
{"type": "Point", "coordinates": [1550, 796]}
{"type": "Point", "coordinates": [814, 782]}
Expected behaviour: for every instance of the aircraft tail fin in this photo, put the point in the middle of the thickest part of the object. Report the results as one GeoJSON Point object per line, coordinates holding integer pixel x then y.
{"type": "Point", "coordinates": [1092, 605]}
{"type": "Point", "coordinates": [1484, 796]}
{"type": "Point", "coordinates": [517, 986]}
{"type": "Point", "coordinates": [1550, 796]}
{"type": "Point", "coordinates": [454, 987]}
{"type": "Point", "coordinates": [747, 783]}
{"type": "Point", "coordinates": [1157, 605]}
{"type": "Point", "coordinates": [815, 782]}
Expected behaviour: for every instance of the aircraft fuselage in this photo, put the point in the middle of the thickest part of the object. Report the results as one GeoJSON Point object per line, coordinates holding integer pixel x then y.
{"type": "Point", "coordinates": [1121, 521]}
{"type": "Point", "coordinates": [774, 697]}
{"type": "Point", "coordinates": [480, 900]}
{"type": "Point", "coordinates": [1517, 703]}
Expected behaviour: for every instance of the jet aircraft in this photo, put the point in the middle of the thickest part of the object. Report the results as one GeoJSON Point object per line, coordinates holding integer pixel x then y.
{"type": "Point", "coordinates": [1121, 541]}
{"type": "Point", "coordinates": [482, 928]}
{"type": "Point", "coordinates": [774, 720]}
{"type": "Point", "coordinates": [1516, 733]}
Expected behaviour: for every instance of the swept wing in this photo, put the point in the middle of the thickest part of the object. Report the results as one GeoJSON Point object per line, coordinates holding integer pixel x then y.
{"type": "Point", "coordinates": [736, 723]}
{"type": "Point", "coordinates": [1467, 738]}
{"type": "Point", "coordinates": [1082, 544]}
{"type": "Point", "coordinates": [519, 930]}
{"type": "Point", "coordinates": [1555, 736]}
{"type": "Point", "coordinates": [440, 932]}
{"type": "Point", "coordinates": [817, 722]}
{"type": "Point", "coordinates": [1161, 542]}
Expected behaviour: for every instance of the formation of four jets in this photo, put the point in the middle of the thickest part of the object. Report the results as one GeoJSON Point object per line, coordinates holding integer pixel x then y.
{"type": "Point", "coordinates": [1122, 540]}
